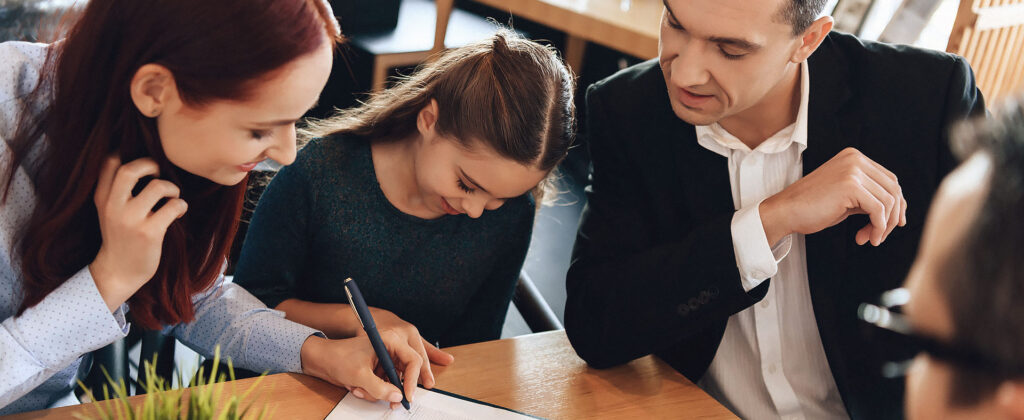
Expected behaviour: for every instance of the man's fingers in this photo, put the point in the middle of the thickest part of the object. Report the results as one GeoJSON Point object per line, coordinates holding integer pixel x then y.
{"type": "Point", "coordinates": [887, 180]}
{"type": "Point", "coordinates": [875, 210]}
{"type": "Point", "coordinates": [884, 171]}
{"type": "Point", "coordinates": [864, 234]}
{"type": "Point", "coordinates": [903, 212]}
{"type": "Point", "coordinates": [889, 204]}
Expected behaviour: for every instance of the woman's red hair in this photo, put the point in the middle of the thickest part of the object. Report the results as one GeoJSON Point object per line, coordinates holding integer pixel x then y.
{"type": "Point", "coordinates": [216, 50]}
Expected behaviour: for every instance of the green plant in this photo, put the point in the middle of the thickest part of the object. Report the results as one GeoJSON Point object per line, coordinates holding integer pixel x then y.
{"type": "Point", "coordinates": [200, 401]}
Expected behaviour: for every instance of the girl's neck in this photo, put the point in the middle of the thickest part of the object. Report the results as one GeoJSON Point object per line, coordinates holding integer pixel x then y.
{"type": "Point", "coordinates": [394, 165]}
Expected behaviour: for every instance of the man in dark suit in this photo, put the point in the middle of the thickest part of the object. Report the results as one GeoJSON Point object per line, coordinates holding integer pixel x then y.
{"type": "Point", "coordinates": [737, 181]}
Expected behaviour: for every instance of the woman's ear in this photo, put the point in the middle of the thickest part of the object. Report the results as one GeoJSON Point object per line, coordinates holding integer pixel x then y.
{"type": "Point", "coordinates": [152, 88]}
{"type": "Point", "coordinates": [426, 120]}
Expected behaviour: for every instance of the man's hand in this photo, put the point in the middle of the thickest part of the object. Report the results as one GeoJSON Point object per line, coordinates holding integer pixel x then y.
{"type": "Point", "coordinates": [849, 183]}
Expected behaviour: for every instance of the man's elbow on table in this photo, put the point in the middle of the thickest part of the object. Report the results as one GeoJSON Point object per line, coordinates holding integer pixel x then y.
{"type": "Point", "coordinates": [593, 340]}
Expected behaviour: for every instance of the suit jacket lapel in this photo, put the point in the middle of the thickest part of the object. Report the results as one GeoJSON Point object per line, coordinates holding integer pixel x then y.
{"type": "Point", "coordinates": [703, 174]}
{"type": "Point", "coordinates": [711, 195]}
{"type": "Point", "coordinates": [828, 133]}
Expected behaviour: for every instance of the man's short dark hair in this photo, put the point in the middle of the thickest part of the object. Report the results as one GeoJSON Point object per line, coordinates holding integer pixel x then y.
{"type": "Point", "coordinates": [801, 13]}
{"type": "Point", "coordinates": [983, 281]}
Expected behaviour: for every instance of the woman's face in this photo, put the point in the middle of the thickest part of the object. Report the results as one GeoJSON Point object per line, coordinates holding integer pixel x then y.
{"type": "Point", "coordinates": [223, 140]}
{"type": "Point", "coordinates": [453, 180]}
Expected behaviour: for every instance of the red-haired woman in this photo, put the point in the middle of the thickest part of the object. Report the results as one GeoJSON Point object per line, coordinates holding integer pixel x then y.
{"type": "Point", "coordinates": [123, 155]}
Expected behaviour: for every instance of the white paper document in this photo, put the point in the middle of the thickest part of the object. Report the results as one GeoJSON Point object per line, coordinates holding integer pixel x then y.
{"type": "Point", "coordinates": [428, 405]}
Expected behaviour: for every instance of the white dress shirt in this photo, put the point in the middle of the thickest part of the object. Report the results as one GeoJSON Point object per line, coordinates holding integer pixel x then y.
{"type": "Point", "coordinates": [770, 363]}
{"type": "Point", "coordinates": [41, 349]}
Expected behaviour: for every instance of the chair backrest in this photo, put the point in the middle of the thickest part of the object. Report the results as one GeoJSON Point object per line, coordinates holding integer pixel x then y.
{"type": "Point", "coordinates": [990, 35]}
{"type": "Point", "coordinates": [444, 13]}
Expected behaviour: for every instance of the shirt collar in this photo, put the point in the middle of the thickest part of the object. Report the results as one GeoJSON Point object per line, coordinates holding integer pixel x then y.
{"type": "Point", "coordinates": [715, 138]}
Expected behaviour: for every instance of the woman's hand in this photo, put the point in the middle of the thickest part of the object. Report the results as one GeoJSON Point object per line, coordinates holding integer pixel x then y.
{"type": "Point", "coordinates": [133, 234]}
{"type": "Point", "coordinates": [352, 363]}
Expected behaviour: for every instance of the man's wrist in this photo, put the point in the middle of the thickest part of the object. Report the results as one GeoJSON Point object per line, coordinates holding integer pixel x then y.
{"type": "Point", "coordinates": [772, 221]}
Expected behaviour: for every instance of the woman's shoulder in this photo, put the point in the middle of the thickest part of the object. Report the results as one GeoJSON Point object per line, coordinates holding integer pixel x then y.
{"type": "Point", "coordinates": [19, 71]}
{"type": "Point", "coordinates": [20, 63]}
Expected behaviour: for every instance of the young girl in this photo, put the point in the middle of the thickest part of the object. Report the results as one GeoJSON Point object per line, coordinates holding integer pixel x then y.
{"type": "Point", "coordinates": [422, 194]}
{"type": "Point", "coordinates": [124, 149]}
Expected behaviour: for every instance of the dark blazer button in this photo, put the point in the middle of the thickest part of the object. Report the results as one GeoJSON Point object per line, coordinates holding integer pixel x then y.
{"type": "Point", "coordinates": [694, 304]}
{"type": "Point", "coordinates": [683, 309]}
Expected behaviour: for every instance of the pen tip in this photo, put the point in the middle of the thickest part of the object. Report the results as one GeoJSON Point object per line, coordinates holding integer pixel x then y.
{"type": "Point", "coordinates": [406, 405]}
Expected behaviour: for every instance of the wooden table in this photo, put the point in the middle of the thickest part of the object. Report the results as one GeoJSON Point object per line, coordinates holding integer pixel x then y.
{"type": "Point", "coordinates": [629, 26]}
{"type": "Point", "coordinates": [537, 374]}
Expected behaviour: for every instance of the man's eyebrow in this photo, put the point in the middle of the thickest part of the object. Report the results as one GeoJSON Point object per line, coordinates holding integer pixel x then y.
{"type": "Point", "coordinates": [735, 42]}
{"type": "Point", "coordinates": [477, 184]}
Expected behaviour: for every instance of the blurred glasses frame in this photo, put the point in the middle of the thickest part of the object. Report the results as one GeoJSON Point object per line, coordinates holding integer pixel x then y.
{"type": "Point", "coordinates": [889, 325]}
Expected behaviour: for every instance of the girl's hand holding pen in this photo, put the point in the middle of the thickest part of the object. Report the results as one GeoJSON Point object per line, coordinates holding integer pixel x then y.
{"type": "Point", "coordinates": [352, 363]}
{"type": "Point", "coordinates": [388, 321]}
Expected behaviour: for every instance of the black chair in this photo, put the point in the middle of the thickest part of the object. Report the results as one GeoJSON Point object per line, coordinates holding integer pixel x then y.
{"type": "Point", "coordinates": [533, 307]}
{"type": "Point", "coordinates": [423, 28]}
{"type": "Point", "coordinates": [114, 359]}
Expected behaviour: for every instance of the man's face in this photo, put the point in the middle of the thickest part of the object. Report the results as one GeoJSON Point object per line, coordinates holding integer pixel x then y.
{"type": "Point", "coordinates": [722, 57]}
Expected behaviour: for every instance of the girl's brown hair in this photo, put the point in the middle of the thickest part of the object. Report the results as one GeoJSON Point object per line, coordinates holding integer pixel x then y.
{"type": "Point", "coordinates": [511, 94]}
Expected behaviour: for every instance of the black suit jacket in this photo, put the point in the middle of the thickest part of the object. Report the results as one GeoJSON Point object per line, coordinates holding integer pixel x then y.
{"type": "Point", "coordinates": [653, 269]}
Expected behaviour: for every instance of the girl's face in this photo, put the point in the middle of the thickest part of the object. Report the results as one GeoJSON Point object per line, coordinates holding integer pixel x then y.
{"type": "Point", "coordinates": [453, 180]}
{"type": "Point", "coordinates": [223, 140]}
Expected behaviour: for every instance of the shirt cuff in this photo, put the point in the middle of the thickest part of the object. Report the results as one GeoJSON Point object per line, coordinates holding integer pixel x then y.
{"type": "Point", "coordinates": [276, 343]}
{"type": "Point", "coordinates": [71, 321]}
{"type": "Point", "coordinates": [756, 260]}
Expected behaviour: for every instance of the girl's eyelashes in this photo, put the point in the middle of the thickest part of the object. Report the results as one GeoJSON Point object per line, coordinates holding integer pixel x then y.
{"type": "Point", "coordinates": [463, 186]}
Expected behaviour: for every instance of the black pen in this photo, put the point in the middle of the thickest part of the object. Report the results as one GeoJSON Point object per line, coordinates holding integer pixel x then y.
{"type": "Point", "coordinates": [355, 300]}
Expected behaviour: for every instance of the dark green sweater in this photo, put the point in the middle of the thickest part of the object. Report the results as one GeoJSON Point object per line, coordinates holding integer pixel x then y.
{"type": "Point", "coordinates": [325, 218]}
